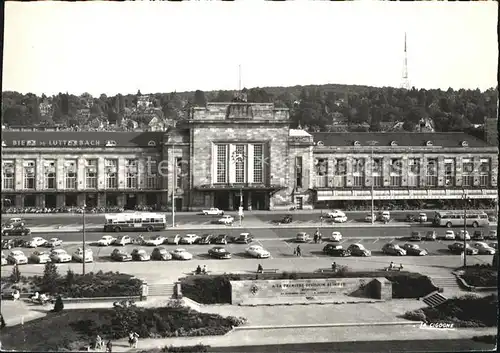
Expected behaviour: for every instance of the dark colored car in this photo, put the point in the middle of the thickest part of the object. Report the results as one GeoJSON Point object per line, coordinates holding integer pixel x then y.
{"type": "Point", "coordinates": [415, 236]}
{"type": "Point", "coordinates": [219, 252]}
{"type": "Point", "coordinates": [206, 239]}
{"type": "Point", "coordinates": [458, 248]}
{"type": "Point", "coordinates": [336, 250]}
{"type": "Point", "coordinates": [431, 235]}
{"type": "Point", "coordinates": [161, 254]}
{"type": "Point", "coordinates": [17, 231]}
{"type": "Point", "coordinates": [244, 238]}
{"type": "Point", "coordinates": [12, 243]}
{"type": "Point", "coordinates": [286, 219]}
{"type": "Point", "coordinates": [221, 239]}
{"type": "Point", "coordinates": [478, 235]}
{"type": "Point", "coordinates": [120, 255]}
{"type": "Point", "coordinates": [414, 250]}
{"type": "Point", "coordinates": [410, 218]}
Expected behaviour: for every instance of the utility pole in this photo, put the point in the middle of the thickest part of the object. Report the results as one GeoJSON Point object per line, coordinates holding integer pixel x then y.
{"type": "Point", "coordinates": [174, 169]}
{"type": "Point", "coordinates": [372, 144]}
{"type": "Point", "coordinates": [83, 239]}
{"type": "Point", "coordinates": [465, 228]}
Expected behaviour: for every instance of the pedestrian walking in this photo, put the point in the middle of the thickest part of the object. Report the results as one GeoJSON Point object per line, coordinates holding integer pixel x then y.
{"type": "Point", "coordinates": [109, 346]}
{"type": "Point", "coordinates": [260, 269]}
{"type": "Point", "coordinates": [315, 238]}
{"type": "Point", "coordinates": [298, 251]}
{"type": "Point", "coordinates": [319, 237]}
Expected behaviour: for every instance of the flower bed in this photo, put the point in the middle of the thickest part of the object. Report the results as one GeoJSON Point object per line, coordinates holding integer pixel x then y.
{"type": "Point", "coordinates": [466, 311]}
{"type": "Point", "coordinates": [216, 289]}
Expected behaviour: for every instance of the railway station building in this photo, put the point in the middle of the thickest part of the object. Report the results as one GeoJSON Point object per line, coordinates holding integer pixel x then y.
{"type": "Point", "coordinates": [230, 154]}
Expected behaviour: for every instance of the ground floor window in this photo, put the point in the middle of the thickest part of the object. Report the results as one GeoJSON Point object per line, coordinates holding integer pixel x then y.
{"type": "Point", "coordinates": [30, 201]}
{"type": "Point", "coordinates": [70, 200]}
{"type": "Point", "coordinates": [91, 200]}
{"type": "Point", "coordinates": [111, 200]}
{"type": "Point", "coordinates": [151, 199]}
{"type": "Point", "coordinates": [8, 201]}
{"type": "Point", "coordinates": [50, 200]}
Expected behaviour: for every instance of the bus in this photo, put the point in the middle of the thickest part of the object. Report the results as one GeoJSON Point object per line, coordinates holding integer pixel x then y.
{"type": "Point", "coordinates": [456, 219]}
{"type": "Point", "coordinates": [134, 221]}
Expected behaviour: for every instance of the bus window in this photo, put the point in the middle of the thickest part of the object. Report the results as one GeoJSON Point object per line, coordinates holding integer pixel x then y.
{"type": "Point", "coordinates": [484, 216]}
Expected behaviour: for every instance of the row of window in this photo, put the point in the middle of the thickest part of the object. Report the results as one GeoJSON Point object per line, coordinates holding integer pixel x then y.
{"type": "Point", "coordinates": [240, 158]}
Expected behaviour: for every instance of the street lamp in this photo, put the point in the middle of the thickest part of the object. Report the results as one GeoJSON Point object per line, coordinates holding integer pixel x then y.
{"type": "Point", "coordinates": [239, 157]}
{"type": "Point", "coordinates": [83, 239]}
{"type": "Point", "coordinates": [372, 144]}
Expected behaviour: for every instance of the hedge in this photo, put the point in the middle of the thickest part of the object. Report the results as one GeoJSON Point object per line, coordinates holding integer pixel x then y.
{"type": "Point", "coordinates": [480, 276]}
{"type": "Point", "coordinates": [216, 289]}
{"type": "Point", "coordinates": [466, 311]}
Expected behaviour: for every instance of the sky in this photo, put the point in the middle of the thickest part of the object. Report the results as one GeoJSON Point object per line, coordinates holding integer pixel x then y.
{"type": "Point", "coordinates": [103, 47]}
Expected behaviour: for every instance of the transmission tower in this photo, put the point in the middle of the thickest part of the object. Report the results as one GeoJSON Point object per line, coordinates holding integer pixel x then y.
{"type": "Point", "coordinates": [405, 83]}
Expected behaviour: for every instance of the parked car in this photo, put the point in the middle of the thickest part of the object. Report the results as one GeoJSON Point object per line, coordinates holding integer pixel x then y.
{"type": "Point", "coordinates": [494, 245]}
{"type": "Point", "coordinates": [449, 235]}
{"type": "Point", "coordinates": [181, 254]}
{"type": "Point", "coordinates": [39, 257]}
{"type": "Point", "coordinates": [161, 254]}
{"type": "Point", "coordinates": [122, 240]}
{"type": "Point", "coordinates": [458, 248]}
{"type": "Point", "coordinates": [302, 237]}
{"type": "Point", "coordinates": [336, 236]}
{"type": "Point", "coordinates": [335, 213]}
{"type": "Point", "coordinates": [213, 211]}
{"type": "Point", "coordinates": [286, 219]}
{"type": "Point", "coordinates": [258, 252]}
{"type": "Point", "coordinates": [483, 248]}
{"type": "Point", "coordinates": [106, 240]}
{"type": "Point", "coordinates": [155, 240]}
{"type": "Point", "coordinates": [35, 242]}
{"type": "Point", "coordinates": [219, 252]}
{"type": "Point", "coordinates": [175, 239]}
{"type": "Point", "coordinates": [336, 250]}
{"type": "Point", "coordinates": [393, 249]}
{"type": "Point", "coordinates": [78, 255]}
{"type": "Point", "coordinates": [478, 235]}
{"type": "Point", "coordinates": [244, 238]}
{"type": "Point", "coordinates": [369, 218]}
{"type": "Point", "coordinates": [16, 222]}
{"type": "Point", "coordinates": [16, 230]}
{"type": "Point", "coordinates": [227, 220]}
{"type": "Point", "coordinates": [414, 249]}
{"type": "Point", "coordinates": [12, 243]}
{"type": "Point", "coordinates": [221, 239]}
{"type": "Point", "coordinates": [415, 236]}
{"type": "Point", "coordinates": [359, 250]}
{"type": "Point", "coordinates": [206, 239]}
{"type": "Point", "coordinates": [492, 234]}
{"type": "Point", "coordinates": [120, 255]}
{"type": "Point", "coordinates": [17, 257]}
{"type": "Point", "coordinates": [462, 234]}
{"type": "Point", "coordinates": [431, 235]}
{"type": "Point", "coordinates": [189, 239]}
{"type": "Point", "coordinates": [53, 242]}
{"type": "Point", "coordinates": [410, 218]}
{"type": "Point", "coordinates": [422, 217]}
{"type": "Point", "coordinates": [59, 256]}
{"type": "Point", "coordinates": [4, 260]}
{"type": "Point", "coordinates": [384, 216]}
{"type": "Point", "coordinates": [140, 255]}
{"type": "Point", "coordinates": [339, 219]}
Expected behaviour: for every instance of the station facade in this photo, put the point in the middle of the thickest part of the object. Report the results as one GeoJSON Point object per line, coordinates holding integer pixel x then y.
{"type": "Point", "coordinates": [230, 154]}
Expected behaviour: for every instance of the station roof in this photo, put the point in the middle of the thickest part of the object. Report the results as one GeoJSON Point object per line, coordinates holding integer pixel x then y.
{"type": "Point", "coordinates": [444, 139]}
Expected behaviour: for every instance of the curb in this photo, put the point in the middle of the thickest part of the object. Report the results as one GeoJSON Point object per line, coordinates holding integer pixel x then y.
{"type": "Point", "coordinates": [354, 324]}
{"type": "Point", "coordinates": [471, 288]}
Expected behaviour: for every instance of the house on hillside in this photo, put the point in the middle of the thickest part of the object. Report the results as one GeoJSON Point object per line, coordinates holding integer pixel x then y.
{"type": "Point", "coordinates": [45, 108]}
{"type": "Point", "coordinates": [144, 102]}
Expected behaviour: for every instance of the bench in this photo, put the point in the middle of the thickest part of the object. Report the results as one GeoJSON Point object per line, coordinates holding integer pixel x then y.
{"type": "Point", "coordinates": [269, 270]}
{"type": "Point", "coordinates": [329, 269]}
{"type": "Point", "coordinates": [395, 268]}
{"type": "Point", "coordinates": [201, 273]}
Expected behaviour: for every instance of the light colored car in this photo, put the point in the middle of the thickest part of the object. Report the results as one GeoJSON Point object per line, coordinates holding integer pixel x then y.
{"type": "Point", "coordinates": [35, 242]}
{"type": "Point", "coordinates": [449, 235]}
{"type": "Point", "coordinates": [461, 234]}
{"type": "Point", "coordinates": [4, 260]}
{"type": "Point", "coordinates": [483, 248]}
{"type": "Point", "coordinates": [493, 245]}
{"type": "Point", "coordinates": [226, 220]}
{"type": "Point", "coordinates": [340, 219]}
{"type": "Point", "coordinates": [213, 211]}
{"type": "Point", "coordinates": [189, 239]}
{"type": "Point", "coordinates": [155, 240]}
{"type": "Point", "coordinates": [302, 237]}
{"type": "Point", "coordinates": [258, 252]}
{"type": "Point", "coordinates": [384, 216]}
{"type": "Point", "coordinates": [123, 240]}
{"type": "Point", "coordinates": [17, 257]}
{"type": "Point", "coordinates": [106, 240]}
{"type": "Point", "coordinates": [422, 217]}
{"type": "Point", "coordinates": [39, 257]}
{"type": "Point", "coordinates": [335, 213]}
{"type": "Point", "coordinates": [60, 256]}
{"type": "Point", "coordinates": [336, 236]}
{"type": "Point", "coordinates": [53, 242]}
{"type": "Point", "coordinates": [176, 239]}
{"type": "Point", "coordinates": [161, 254]}
{"type": "Point", "coordinates": [15, 222]}
{"type": "Point", "coordinates": [414, 249]}
{"type": "Point", "coordinates": [78, 255]}
{"type": "Point", "coordinates": [369, 218]}
{"type": "Point", "coordinates": [140, 255]}
{"type": "Point", "coordinates": [181, 254]}
{"type": "Point", "coordinates": [393, 249]}
{"type": "Point", "coordinates": [358, 249]}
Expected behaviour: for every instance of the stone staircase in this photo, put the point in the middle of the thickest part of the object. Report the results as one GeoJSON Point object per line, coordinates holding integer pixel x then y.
{"type": "Point", "coordinates": [434, 299]}
{"type": "Point", "coordinates": [161, 290]}
{"type": "Point", "coordinates": [449, 283]}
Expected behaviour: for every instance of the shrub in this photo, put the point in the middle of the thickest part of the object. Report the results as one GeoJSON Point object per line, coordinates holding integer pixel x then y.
{"type": "Point", "coordinates": [490, 339]}
{"type": "Point", "coordinates": [59, 305]}
{"type": "Point", "coordinates": [417, 315]}
{"type": "Point", "coordinates": [186, 349]}
{"type": "Point", "coordinates": [15, 276]}
{"type": "Point", "coordinates": [50, 279]}
{"type": "Point", "coordinates": [480, 276]}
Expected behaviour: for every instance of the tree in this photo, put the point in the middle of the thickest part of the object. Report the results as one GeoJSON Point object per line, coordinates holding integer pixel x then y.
{"type": "Point", "coordinates": [15, 276]}
{"type": "Point", "coordinates": [58, 305]}
{"type": "Point", "coordinates": [199, 98]}
{"type": "Point", "coordinates": [50, 278]}
{"type": "Point", "coordinates": [70, 278]}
